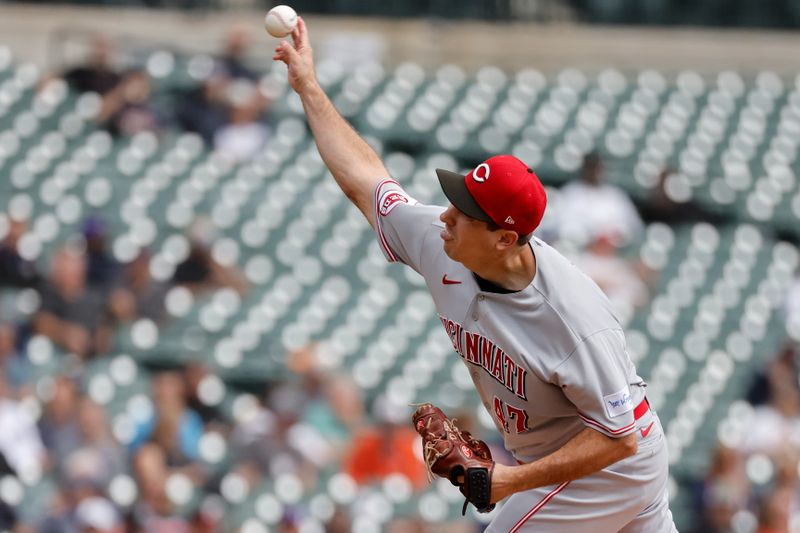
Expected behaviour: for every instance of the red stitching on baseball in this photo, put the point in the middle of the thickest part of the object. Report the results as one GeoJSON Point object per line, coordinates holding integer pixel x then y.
{"type": "Point", "coordinates": [280, 19]}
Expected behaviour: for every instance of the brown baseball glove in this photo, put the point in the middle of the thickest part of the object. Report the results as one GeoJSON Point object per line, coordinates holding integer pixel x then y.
{"type": "Point", "coordinates": [455, 455]}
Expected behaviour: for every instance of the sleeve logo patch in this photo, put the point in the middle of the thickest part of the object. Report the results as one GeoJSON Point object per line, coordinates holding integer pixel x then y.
{"type": "Point", "coordinates": [618, 403]}
{"type": "Point", "coordinates": [391, 199]}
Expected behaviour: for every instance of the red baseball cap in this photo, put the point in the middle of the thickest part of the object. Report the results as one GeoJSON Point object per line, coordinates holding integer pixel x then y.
{"type": "Point", "coordinates": [502, 190]}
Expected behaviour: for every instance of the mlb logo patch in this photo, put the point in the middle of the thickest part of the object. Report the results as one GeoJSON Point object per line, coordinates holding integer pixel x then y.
{"type": "Point", "coordinates": [618, 403]}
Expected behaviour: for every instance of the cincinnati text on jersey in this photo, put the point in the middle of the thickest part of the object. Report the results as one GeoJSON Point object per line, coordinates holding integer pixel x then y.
{"type": "Point", "coordinates": [480, 351]}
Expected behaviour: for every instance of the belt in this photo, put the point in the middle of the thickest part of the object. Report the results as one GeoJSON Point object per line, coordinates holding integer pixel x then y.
{"type": "Point", "coordinates": [641, 409]}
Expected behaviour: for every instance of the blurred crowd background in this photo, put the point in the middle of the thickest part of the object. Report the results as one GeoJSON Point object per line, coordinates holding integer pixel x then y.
{"type": "Point", "coordinates": [195, 447]}
{"type": "Point", "coordinates": [741, 13]}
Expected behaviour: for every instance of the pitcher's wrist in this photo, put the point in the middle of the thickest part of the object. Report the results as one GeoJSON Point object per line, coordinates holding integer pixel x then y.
{"type": "Point", "coordinates": [309, 87]}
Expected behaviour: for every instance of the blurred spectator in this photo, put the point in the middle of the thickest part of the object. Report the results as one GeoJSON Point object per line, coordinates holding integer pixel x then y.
{"type": "Point", "coordinates": [725, 491]}
{"type": "Point", "coordinates": [332, 408]}
{"type": "Point", "coordinates": [268, 437]}
{"type": "Point", "coordinates": [333, 412]}
{"type": "Point", "coordinates": [99, 457]}
{"type": "Point", "coordinates": [63, 515]}
{"type": "Point", "coordinates": [21, 446]}
{"type": "Point", "coordinates": [590, 208]}
{"type": "Point", "coordinates": [662, 205]}
{"type": "Point", "coordinates": [72, 314]}
{"type": "Point", "coordinates": [208, 108]}
{"type": "Point", "coordinates": [779, 371]}
{"type": "Point", "coordinates": [103, 270]}
{"type": "Point", "coordinates": [173, 426]}
{"type": "Point", "coordinates": [622, 281]}
{"type": "Point", "coordinates": [390, 447]}
{"type": "Point", "coordinates": [232, 59]}
{"type": "Point", "coordinates": [245, 134]}
{"type": "Point", "coordinates": [14, 365]}
{"type": "Point", "coordinates": [334, 405]}
{"type": "Point", "coordinates": [83, 453]}
{"type": "Point", "coordinates": [332, 425]}
{"type": "Point", "coordinates": [58, 425]}
{"type": "Point", "coordinates": [153, 511]}
{"type": "Point", "coordinates": [127, 109]}
{"type": "Point", "coordinates": [204, 109]}
{"type": "Point", "coordinates": [259, 431]}
{"type": "Point", "coordinates": [97, 74]}
{"type": "Point", "coordinates": [776, 425]}
{"type": "Point", "coordinates": [139, 296]}
{"type": "Point", "coordinates": [200, 272]}
{"type": "Point", "coordinates": [84, 472]}
{"type": "Point", "coordinates": [14, 270]}
{"type": "Point", "coordinates": [385, 449]}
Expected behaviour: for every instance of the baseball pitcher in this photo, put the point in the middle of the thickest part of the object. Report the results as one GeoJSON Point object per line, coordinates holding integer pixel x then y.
{"type": "Point", "coordinates": [546, 354]}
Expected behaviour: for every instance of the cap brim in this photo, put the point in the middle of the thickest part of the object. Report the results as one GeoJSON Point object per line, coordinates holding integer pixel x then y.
{"type": "Point", "coordinates": [456, 191]}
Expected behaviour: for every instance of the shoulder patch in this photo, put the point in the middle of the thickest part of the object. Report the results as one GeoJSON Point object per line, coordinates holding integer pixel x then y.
{"type": "Point", "coordinates": [391, 198]}
{"type": "Point", "coordinates": [618, 403]}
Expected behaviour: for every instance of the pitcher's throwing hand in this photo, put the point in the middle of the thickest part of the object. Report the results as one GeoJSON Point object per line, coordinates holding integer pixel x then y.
{"type": "Point", "coordinates": [298, 58]}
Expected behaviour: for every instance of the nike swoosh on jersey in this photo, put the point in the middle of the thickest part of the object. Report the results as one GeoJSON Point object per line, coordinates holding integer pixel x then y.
{"type": "Point", "coordinates": [449, 281]}
{"type": "Point", "coordinates": [646, 431]}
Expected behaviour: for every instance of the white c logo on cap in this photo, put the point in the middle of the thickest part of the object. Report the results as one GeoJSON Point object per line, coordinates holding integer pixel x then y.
{"type": "Point", "coordinates": [481, 179]}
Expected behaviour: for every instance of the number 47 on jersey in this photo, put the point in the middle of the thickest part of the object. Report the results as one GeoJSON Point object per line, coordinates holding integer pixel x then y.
{"type": "Point", "coordinates": [510, 417]}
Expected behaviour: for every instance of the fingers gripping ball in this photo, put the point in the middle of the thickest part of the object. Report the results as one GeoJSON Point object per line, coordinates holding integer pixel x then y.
{"type": "Point", "coordinates": [456, 455]}
{"type": "Point", "coordinates": [280, 21]}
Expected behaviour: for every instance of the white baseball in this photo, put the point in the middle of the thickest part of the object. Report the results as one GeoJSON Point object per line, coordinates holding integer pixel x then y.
{"type": "Point", "coordinates": [280, 21]}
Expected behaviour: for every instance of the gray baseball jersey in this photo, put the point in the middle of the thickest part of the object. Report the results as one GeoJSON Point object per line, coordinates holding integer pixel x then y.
{"type": "Point", "coordinates": [547, 361]}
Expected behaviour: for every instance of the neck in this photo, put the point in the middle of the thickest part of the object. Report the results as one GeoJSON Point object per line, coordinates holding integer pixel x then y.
{"type": "Point", "coordinates": [513, 272]}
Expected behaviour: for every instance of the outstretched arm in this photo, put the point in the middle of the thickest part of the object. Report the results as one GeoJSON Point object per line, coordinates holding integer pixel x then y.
{"type": "Point", "coordinates": [353, 163]}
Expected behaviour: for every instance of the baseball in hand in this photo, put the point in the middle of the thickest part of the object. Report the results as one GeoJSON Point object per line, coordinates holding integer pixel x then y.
{"type": "Point", "coordinates": [280, 21]}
